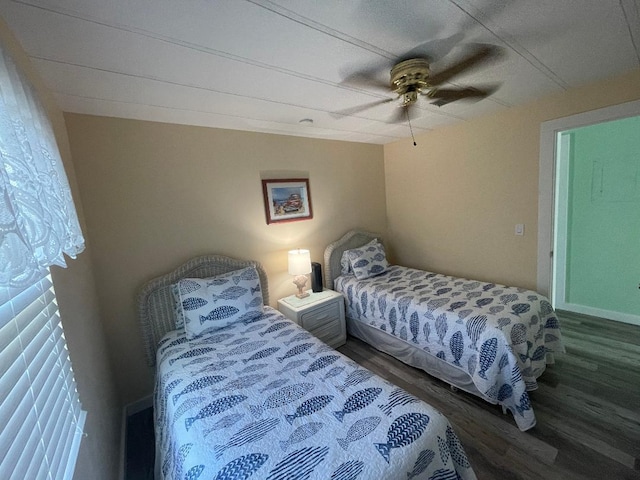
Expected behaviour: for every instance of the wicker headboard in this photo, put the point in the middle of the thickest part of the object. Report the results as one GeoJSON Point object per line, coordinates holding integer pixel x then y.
{"type": "Point", "coordinates": [156, 306]}
{"type": "Point", "coordinates": [333, 253]}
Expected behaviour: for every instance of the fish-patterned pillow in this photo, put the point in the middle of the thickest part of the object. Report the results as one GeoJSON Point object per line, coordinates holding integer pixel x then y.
{"type": "Point", "coordinates": [175, 289]}
{"type": "Point", "coordinates": [368, 261]}
{"type": "Point", "coordinates": [345, 263]}
{"type": "Point", "coordinates": [210, 304]}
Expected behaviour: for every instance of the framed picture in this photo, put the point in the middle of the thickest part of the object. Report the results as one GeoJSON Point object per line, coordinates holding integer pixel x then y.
{"type": "Point", "coordinates": [287, 200]}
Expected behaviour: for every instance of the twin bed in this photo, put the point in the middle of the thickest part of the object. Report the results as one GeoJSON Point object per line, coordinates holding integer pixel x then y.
{"type": "Point", "coordinates": [243, 392]}
{"type": "Point", "coordinates": [490, 340]}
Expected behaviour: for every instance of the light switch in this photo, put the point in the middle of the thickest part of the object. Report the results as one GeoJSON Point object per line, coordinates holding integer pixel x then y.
{"type": "Point", "coordinates": [520, 229]}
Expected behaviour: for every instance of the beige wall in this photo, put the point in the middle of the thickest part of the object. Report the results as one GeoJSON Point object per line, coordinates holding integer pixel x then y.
{"type": "Point", "coordinates": [453, 201]}
{"type": "Point", "coordinates": [157, 194]}
{"type": "Point", "coordinates": [75, 290]}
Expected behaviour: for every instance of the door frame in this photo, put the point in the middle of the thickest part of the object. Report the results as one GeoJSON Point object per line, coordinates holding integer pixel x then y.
{"type": "Point", "coordinates": [549, 142]}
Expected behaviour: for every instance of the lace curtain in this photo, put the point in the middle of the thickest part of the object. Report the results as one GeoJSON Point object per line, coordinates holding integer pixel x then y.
{"type": "Point", "coordinates": [38, 221]}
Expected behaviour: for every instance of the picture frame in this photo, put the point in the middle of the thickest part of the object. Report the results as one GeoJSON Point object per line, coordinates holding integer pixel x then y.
{"type": "Point", "coordinates": [287, 200]}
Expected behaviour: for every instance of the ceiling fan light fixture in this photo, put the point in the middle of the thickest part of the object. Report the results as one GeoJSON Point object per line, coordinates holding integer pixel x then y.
{"type": "Point", "coordinates": [409, 97]}
{"type": "Point", "coordinates": [410, 77]}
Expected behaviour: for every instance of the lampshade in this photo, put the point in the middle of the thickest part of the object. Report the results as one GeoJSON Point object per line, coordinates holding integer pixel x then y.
{"type": "Point", "coordinates": [299, 262]}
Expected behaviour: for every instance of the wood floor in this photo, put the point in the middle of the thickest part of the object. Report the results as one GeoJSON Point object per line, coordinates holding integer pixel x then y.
{"type": "Point", "coordinates": [587, 408]}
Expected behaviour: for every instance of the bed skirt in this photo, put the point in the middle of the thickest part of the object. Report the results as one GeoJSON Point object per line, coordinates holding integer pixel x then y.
{"type": "Point", "coordinates": [413, 356]}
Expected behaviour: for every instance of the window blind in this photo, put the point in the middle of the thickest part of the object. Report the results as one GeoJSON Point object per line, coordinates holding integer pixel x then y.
{"type": "Point", "coordinates": [41, 419]}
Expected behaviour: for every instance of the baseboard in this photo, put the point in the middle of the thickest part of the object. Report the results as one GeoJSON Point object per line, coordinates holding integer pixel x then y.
{"type": "Point", "coordinates": [597, 312]}
{"type": "Point", "coordinates": [127, 411]}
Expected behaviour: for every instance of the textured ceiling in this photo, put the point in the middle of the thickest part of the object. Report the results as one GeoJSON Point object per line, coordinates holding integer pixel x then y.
{"type": "Point", "coordinates": [263, 66]}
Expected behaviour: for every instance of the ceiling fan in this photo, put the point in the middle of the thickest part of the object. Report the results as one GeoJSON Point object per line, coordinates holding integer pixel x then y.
{"type": "Point", "coordinates": [411, 78]}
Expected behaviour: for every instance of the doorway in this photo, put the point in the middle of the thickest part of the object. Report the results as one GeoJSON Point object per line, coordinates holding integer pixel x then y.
{"type": "Point", "coordinates": [589, 213]}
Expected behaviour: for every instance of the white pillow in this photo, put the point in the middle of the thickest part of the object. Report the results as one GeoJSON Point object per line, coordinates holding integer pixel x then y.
{"type": "Point", "coordinates": [210, 304]}
{"type": "Point", "coordinates": [368, 261]}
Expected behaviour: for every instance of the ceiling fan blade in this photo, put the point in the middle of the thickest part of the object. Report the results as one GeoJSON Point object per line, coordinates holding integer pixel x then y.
{"type": "Point", "coordinates": [442, 96]}
{"type": "Point", "coordinates": [433, 49]}
{"type": "Point", "coordinates": [359, 108]}
{"type": "Point", "coordinates": [481, 54]}
{"type": "Point", "coordinates": [366, 79]}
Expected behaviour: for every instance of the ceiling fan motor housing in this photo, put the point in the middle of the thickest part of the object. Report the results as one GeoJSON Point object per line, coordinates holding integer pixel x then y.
{"type": "Point", "coordinates": [409, 78]}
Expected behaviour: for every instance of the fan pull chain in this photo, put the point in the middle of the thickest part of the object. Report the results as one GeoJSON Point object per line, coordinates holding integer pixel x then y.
{"type": "Point", "coordinates": [406, 111]}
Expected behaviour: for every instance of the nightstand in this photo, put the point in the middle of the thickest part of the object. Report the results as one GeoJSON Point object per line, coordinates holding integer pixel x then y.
{"type": "Point", "coordinates": [322, 314]}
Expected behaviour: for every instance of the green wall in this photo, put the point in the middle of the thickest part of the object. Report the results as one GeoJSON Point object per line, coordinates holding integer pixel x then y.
{"type": "Point", "coordinates": [603, 242]}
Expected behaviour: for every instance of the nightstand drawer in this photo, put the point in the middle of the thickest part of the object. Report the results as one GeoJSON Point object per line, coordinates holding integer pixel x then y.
{"type": "Point", "coordinates": [332, 334]}
{"type": "Point", "coordinates": [320, 313]}
{"type": "Point", "coordinates": [320, 316]}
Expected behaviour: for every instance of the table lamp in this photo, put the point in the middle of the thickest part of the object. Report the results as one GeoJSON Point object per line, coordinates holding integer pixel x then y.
{"type": "Point", "coordinates": [300, 266]}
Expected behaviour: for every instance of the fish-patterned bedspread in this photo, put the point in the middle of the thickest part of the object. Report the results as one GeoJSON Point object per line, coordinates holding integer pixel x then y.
{"type": "Point", "coordinates": [503, 337]}
{"type": "Point", "coordinates": [265, 399]}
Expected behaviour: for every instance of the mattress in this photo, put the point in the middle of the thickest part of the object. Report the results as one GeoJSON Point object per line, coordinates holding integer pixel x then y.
{"type": "Point", "coordinates": [501, 337]}
{"type": "Point", "coordinates": [266, 399]}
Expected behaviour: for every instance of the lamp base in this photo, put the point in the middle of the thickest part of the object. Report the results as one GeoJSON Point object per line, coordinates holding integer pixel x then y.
{"type": "Point", "coordinates": [300, 281]}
